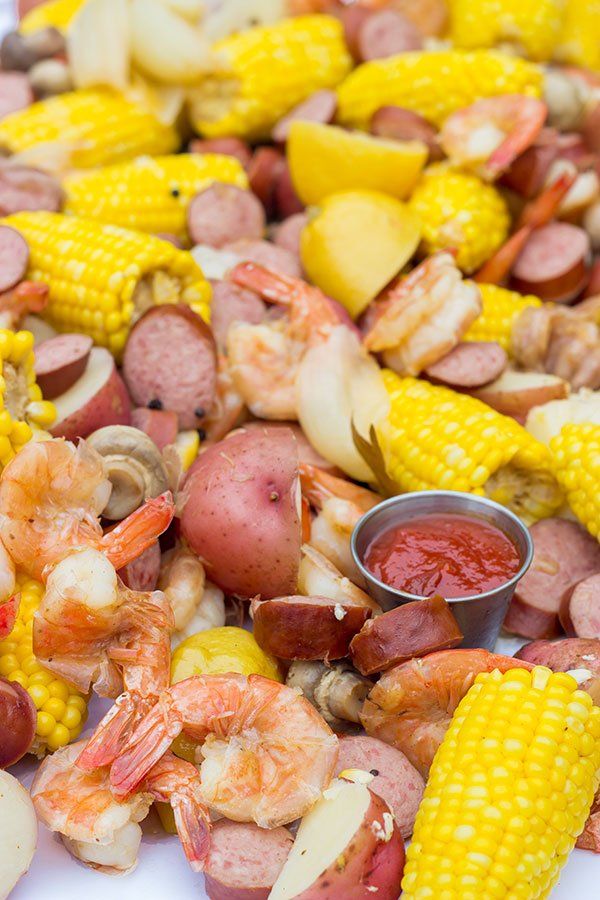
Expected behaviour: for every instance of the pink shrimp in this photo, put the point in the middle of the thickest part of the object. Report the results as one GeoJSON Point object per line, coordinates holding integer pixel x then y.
{"type": "Point", "coordinates": [26, 297]}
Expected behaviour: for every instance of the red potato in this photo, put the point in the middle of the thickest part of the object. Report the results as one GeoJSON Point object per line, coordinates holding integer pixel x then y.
{"type": "Point", "coordinates": [410, 630]}
{"type": "Point", "coordinates": [141, 574]}
{"type": "Point", "coordinates": [223, 213]}
{"type": "Point", "coordinates": [264, 253]}
{"type": "Point", "coordinates": [516, 393]}
{"type": "Point", "coordinates": [580, 609]}
{"type": "Point", "coordinates": [399, 124]}
{"type": "Point", "coordinates": [18, 718]}
{"type": "Point", "coordinates": [319, 107]}
{"type": "Point", "coordinates": [263, 174]}
{"type": "Point", "coordinates": [395, 780]}
{"type": "Point", "coordinates": [306, 452]}
{"type": "Point", "coordinates": [227, 146]}
{"type": "Point", "coordinates": [244, 860]}
{"type": "Point", "coordinates": [307, 627]}
{"type": "Point", "coordinates": [60, 362]}
{"type": "Point", "coordinates": [471, 364]}
{"type": "Point", "coordinates": [288, 233]}
{"type": "Point", "coordinates": [18, 832]}
{"type": "Point", "coordinates": [15, 92]}
{"type": "Point", "coordinates": [564, 553]}
{"type": "Point", "coordinates": [96, 399]}
{"type": "Point", "coordinates": [243, 493]}
{"type": "Point", "coordinates": [170, 362]}
{"type": "Point", "coordinates": [159, 424]}
{"type": "Point", "coordinates": [554, 264]}
{"type": "Point", "coordinates": [348, 846]}
{"type": "Point", "coordinates": [14, 257]}
{"type": "Point", "coordinates": [231, 303]}
{"type": "Point", "coordinates": [387, 33]}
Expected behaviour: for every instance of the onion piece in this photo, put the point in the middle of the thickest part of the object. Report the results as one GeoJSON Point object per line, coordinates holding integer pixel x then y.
{"type": "Point", "coordinates": [167, 47]}
{"type": "Point", "coordinates": [191, 10]}
{"type": "Point", "coordinates": [224, 17]}
{"type": "Point", "coordinates": [98, 44]}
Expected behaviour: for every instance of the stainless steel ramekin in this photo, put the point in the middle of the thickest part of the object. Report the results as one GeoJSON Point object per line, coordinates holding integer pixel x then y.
{"type": "Point", "coordinates": [480, 617]}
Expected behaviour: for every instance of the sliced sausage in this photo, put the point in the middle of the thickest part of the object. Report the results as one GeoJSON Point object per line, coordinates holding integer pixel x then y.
{"type": "Point", "coordinates": [554, 264]}
{"type": "Point", "coordinates": [399, 124]}
{"type": "Point", "coordinates": [26, 188]}
{"type": "Point", "coordinates": [564, 553]}
{"type": "Point", "coordinates": [15, 92]}
{"type": "Point", "coordinates": [141, 574]}
{"type": "Point", "coordinates": [231, 303]}
{"type": "Point", "coordinates": [264, 253]}
{"type": "Point", "coordinates": [529, 172]}
{"type": "Point", "coordinates": [244, 861]}
{"type": "Point", "coordinates": [580, 609]}
{"type": "Point", "coordinates": [307, 627]}
{"type": "Point", "coordinates": [563, 655]}
{"type": "Point", "coordinates": [223, 213]}
{"type": "Point", "coordinates": [288, 233]}
{"type": "Point", "coordinates": [387, 33]}
{"type": "Point", "coordinates": [161, 425]}
{"type": "Point", "coordinates": [60, 361]}
{"type": "Point", "coordinates": [394, 778]}
{"type": "Point", "coordinates": [263, 174]}
{"type": "Point", "coordinates": [319, 107]}
{"type": "Point", "coordinates": [470, 364]}
{"type": "Point", "coordinates": [14, 257]}
{"type": "Point", "coordinates": [352, 18]}
{"type": "Point", "coordinates": [170, 362]}
{"type": "Point", "coordinates": [287, 201]}
{"type": "Point", "coordinates": [410, 630]}
{"type": "Point", "coordinates": [227, 146]}
{"type": "Point", "coordinates": [593, 288]}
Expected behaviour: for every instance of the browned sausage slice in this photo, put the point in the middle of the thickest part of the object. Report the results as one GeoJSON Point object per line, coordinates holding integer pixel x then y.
{"type": "Point", "coordinates": [528, 173]}
{"type": "Point", "coordinates": [264, 253]}
{"type": "Point", "coordinates": [223, 213]}
{"type": "Point", "coordinates": [410, 630]}
{"type": "Point", "coordinates": [14, 257]}
{"type": "Point", "coordinates": [470, 364]}
{"type": "Point", "coordinates": [227, 146]}
{"type": "Point", "coordinates": [394, 778]}
{"type": "Point", "coordinates": [60, 361]}
{"type": "Point", "coordinates": [287, 201]}
{"type": "Point", "coordinates": [387, 33]}
{"type": "Point", "coordinates": [319, 107]}
{"type": "Point", "coordinates": [554, 264]}
{"type": "Point", "coordinates": [15, 92]}
{"type": "Point", "coordinates": [231, 303]}
{"type": "Point", "coordinates": [563, 655]}
{"type": "Point", "coordinates": [244, 860]}
{"type": "Point", "coordinates": [288, 233]}
{"type": "Point", "coordinates": [160, 425]}
{"type": "Point", "coordinates": [263, 174]}
{"type": "Point", "coordinates": [170, 362]}
{"type": "Point", "coordinates": [580, 610]}
{"type": "Point", "coordinates": [141, 574]}
{"type": "Point", "coordinates": [400, 124]}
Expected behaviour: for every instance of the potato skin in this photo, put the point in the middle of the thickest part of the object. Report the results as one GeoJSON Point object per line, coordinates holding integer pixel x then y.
{"type": "Point", "coordinates": [240, 512]}
{"type": "Point", "coordinates": [110, 405]}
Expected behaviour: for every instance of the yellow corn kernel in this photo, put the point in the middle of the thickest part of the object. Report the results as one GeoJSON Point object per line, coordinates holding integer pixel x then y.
{"type": "Point", "coordinates": [501, 309]}
{"type": "Point", "coordinates": [52, 14]}
{"type": "Point", "coordinates": [576, 456]}
{"type": "Point", "coordinates": [532, 26]}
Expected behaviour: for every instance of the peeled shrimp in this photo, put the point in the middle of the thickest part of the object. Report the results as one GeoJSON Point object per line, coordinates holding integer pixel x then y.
{"type": "Point", "coordinates": [267, 754]}
{"type": "Point", "coordinates": [101, 829]}
{"type": "Point", "coordinates": [27, 297]}
{"type": "Point", "coordinates": [424, 316]}
{"type": "Point", "coordinates": [489, 135]}
{"type": "Point", "coordinates": [195, 603]}
{"type": "Point", "coordinates": [318, 577]}
{"type": "Point", "coordinates": [411, 705]}
{"type": "Point", "coordinates": [9, 601]}
{"type": "Point", "coordinates": [228, 409]}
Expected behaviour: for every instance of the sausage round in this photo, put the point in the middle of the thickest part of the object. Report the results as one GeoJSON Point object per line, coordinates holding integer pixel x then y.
{"type": "Point", "coordinates": [263, 174]}
{"type": "Point", "coordinates": [386, 33]}
{"type": "Point", "coordinates": [563, 655]}
{"type": "Point", "coordinates": [399, 124]}
{"type": "Point", "coordinates": [352, 19]}
{"type": "Point", "coordinates": [25, 188]}
{"type": "Point", "coordinates": [227, 146]}
{"type": "Point", "coordinates": [15, 92]}
{"type": "Point", "coordinates": [160, 425]}
{"type": "Point", "coordinates": [471, 364]}
{"type": "Point", "coordinates": [580, 609]}
{"type": "Point", "coordinates": [319, 107]}
{"type": "Point", "coordinates": [528, 173]}
{"type": "Point", "coordinates": [14, 257]}
{"type": "Point", "coordinates": [564, 553]}
{"type": "Point", "coordinates": [244, 861]}
{"type": "Point", "coordinates": [141, 574]}
{"type": "Point", "coordinates": [231, 303]}
{"type": "Point", "coordinates": [223, 213]}
{"type": "Point", "coordinates": [554, 264]}
{"type": "Point", "coordinates": [60, 361]}
{"type": "Point", "coordinates": [410, 630]}
{"type": "Point", "coordinates": [264, 253]}
{"type": "Point", "coordinates": [287, 201]}
{"type": "Point", "coordinates": [170, 362]}
{"type": "Point", "coordinates": [288, 233]}
{"type": "Point", "coordinates": [395, 780]}
{"type": "Point", "coordinates": [307, 627]}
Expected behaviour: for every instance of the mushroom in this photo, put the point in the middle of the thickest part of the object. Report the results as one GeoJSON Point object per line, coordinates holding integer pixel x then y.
{"type": "Point", "coordinates": [134, 466]}
{"type": "Point", "coordinates": [337, 691]}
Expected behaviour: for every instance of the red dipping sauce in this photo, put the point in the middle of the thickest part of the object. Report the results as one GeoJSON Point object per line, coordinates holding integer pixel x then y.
{"type": "Point", "coordinates": [449, 554]}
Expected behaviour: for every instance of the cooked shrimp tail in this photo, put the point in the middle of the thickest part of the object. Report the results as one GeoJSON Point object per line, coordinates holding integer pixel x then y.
{"type": "Point", "coordinates": [128, 540]}
{"type": "Point", "coordinates": [318, 486]}
{"type": "Point", "coordinates": [269, 284]}
{"type": "Point", "coordinates": [150, 741]}
{"type": "Point", "coordinates": [543, 208]}
{"type": "Point", "coordinates": [112, 732]}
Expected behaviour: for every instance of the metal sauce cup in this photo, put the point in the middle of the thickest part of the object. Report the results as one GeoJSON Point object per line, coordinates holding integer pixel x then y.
{"type": "Point", "coordinates": [479, 617]}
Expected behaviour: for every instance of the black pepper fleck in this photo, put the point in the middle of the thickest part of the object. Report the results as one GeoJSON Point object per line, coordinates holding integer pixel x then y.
{"type": "Point", "coordinates": [200, 412]}
{"type": "Point", "coordinates": [374, 772]}
{"type": "Point", "coordinates": [201, 434]}
{"type": "Point", "coordinates": [155, 403]}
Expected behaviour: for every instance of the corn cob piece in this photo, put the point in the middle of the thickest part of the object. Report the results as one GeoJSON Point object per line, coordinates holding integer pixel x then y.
{"type": "Point", "coordinates": [501, 309]}
{"type": "Point", "coordinates": [54, 13]}
{"type": "Point", "coordinates": [61, 710]}
{"type": "Point", "coordinates": [532, 26]}
{"type": "Point", "coordinates": [580, 40]}
{"type": "Point", "coordinates": [267, 71]}
{"type": "Point", "coordinates": [102, 278]}
{"type": "Point", "coordinates": [86, 128]}
{"type": "Point", "coordinates": [509, 790]}
{"type": "Point", "coordinates": [576, 454]}
{"type": "Point", "coordinates": [436, 438]}
{"type": "Point", "coordinates": [459, 211]}
{"type": "Point", "coordinates": [151, 193]}
{"type": "Point", "coordinates": [433, 84]}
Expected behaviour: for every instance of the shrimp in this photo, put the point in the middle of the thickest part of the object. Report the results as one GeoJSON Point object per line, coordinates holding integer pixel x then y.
{"type": "Point", "coordinates": [51, 497]}
{"type": "Point", "coordinates": [489, 135]}
{"type": "Point", "coordinates": [102, 830]}
{"type": "Point", "coordinates": [228, 409]}
{"type": "Point", "coordinates": [26, 297]}
{"type": "Point", "coordinates": [196, 604]}
{"type": "Point", "coordinates": [318, 577]}
{"type": "Point", "coordinates": [264, 358]}
{"type": "Point", "coordinates": [267, 753]}
{"type": "Point", "coordinates": [412, 704]}
{"type": "Point", "coordinates": [424, 316]}
{"type": "Point", "coordinates": [9, 601]}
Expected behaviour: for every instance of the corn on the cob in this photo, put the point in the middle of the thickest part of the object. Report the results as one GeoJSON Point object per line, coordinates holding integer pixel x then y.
{"type": "Point", "coordinates": [61, 710]}
{"type": "Point", "coordinates": [101, 277]}
{"type": "Point", "coordinates": [267, 71]}
{"type": "Point", "coordinates": [501, 309]}
{"type": "Point", "coordinates": [151, 193]}
{"type": "Point", "coordinates": [459, 211]}
{"type": "Point", "coordinates": [86, 128]}
{"type": "Point", "coordinates": [54, 13]}
{"type": "Point", "coordinates": [576, 454]}
{"type": "Point", "coordinates": [433, 84]}
{"type": "Point", "coordinates": [533, 26]}
{"type": "Point", "coordinates": [509, 790]}
{"type": "Point", "coordinates": [580, 40]}
{"type": "Point", "coordinates": [436, 438]}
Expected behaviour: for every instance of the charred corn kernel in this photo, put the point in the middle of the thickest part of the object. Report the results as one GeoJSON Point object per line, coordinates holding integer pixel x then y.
{"type": "Point", "coordinates": [501, 309]}
{"type": "Point", "coordinates": [187, 445]}
{"type": "Point", "coordinates": [151, 193]}
{"type": "Point", "coordinates": [532, 26]}
{"type": "Point", "coordinates": [576, 454]}
{"type": "Point", "coordinates": [54, 13]}
{"type": "Point", "coordinates": [580, 40]}
{"type": "Point", "coordinates": [459, 211]}
{"type": "Point", "coordinates": [495, 821]}
{"type": "Point", "coordinates": [433, 84]}
{"type": "Point", "coordinates": [61, 710]}
{"type": "Point", "coordinates": [266, 72]}
{"type": "Point", "coordinates": [436, 438]}
{"type": "Point", "coordinates": [84, 129]}
{"type": "Point", "coordinates": [93, 269]}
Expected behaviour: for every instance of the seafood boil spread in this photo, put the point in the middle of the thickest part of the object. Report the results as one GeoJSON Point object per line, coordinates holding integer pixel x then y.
{"type": "Point", "coordinates": [299, 422]}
